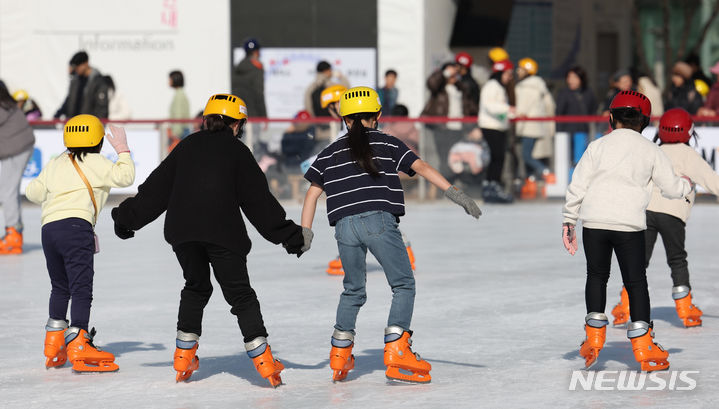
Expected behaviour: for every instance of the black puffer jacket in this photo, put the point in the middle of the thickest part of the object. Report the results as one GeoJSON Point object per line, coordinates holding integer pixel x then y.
{"type": "Point", "coordinates": [202, 185]}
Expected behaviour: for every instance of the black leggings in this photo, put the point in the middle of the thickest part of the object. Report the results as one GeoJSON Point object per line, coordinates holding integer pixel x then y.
{"type": "Point", "coordinates": [673, 233]}
{"type": "Point", "coordinates": [629, 248]}
{"type": "Point", "coordinates": [497, 141]}
{"type": "Point", "coordinates": [231, 273]}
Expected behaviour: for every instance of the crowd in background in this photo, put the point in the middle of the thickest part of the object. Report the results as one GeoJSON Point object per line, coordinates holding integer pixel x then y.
{"type": "Point", "coordinates": [499, 156]}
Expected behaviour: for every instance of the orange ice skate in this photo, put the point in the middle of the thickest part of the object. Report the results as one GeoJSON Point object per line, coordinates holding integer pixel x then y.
{"type": "Point", "coordinates": [12, 242]}
{"type": "Point", "coordinates": [261, 354]}
{"type": "Point", "coordinates": [185, 359]}
{"type": "Point", "coordinates": [596, 329]}
{"type": "Point", "coordinates": [341, 358]}
{"type": "Point", "coordinates": [621, 310]}
{"type": "Point", "coordinates": [650, 355]}
{"type": "Point", "coordinates": [335, 267]}
{"type": "Point", "coordinates": [403, 364]}
{"type": "Point", "coordinates": [529, 189]}
{"type": "Point", "coordinates": [549, 177]}
{"type": "Point", "coordinates": [84, 355]}
{"type": "Point", "coordinates": [55, 348]}
{"type": "Point", "coordinates": [410, 253]}
{"type": "Point", "coordinates": [689, 313]}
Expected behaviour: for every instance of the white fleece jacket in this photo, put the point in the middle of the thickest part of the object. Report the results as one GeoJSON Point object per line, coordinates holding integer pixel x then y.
{"type": "Point", "coordinates": [687, 162]}
{"type": "Point", "coordinates": [611, 185]}
{"type": "Point", "coordinates": [493, 106]}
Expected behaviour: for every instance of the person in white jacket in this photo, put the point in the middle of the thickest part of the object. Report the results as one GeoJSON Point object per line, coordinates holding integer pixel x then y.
{"type": "Point", "coordinates": [533, 100]}
{"type": "Point", "coordinates": [610, 190]}
{"type": "Point", "coordinates": [494, 114]}
{"type": "Point", "coordinates": [667, 217]}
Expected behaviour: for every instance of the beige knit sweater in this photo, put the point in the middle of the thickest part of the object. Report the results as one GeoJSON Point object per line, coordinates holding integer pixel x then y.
{"type": "Point", "coordinates": [686, 161]}
{"type": "Point", "coordinates": [611, 185]}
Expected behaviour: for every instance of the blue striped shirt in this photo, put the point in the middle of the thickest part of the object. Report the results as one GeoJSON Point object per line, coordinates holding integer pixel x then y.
{"type": "Point", "coordinates": [350, 190]}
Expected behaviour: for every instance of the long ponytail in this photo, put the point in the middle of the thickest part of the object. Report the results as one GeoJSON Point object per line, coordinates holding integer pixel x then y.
{"type": "Point", "coordinates": [358, 139]}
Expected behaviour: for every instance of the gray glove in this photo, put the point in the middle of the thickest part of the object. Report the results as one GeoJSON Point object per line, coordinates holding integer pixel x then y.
{"type": "Point", "coordinates": [461, 198]}
{"type": "Point", "coordinates": [308, 236]}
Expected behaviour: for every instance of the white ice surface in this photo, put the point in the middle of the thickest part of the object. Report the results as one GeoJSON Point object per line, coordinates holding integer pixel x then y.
{"type": "Point", "coordinates": [499, 314]}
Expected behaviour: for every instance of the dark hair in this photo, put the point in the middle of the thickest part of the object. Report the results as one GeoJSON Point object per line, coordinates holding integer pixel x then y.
{"type": "Point", "coordinates": [109, 81]}
{"type": "Point", "coordinates": [6, 100]}
{"type": "Point", "coordinates": [217, 123]}
{"type": "Point", "coordinates": [399, 110]}
{"type": "Point", "coordinates": [630, 118]}
{"type": "Point", "coordinates": [79, 153]}
{"type": "Point", "coordinates": [358, 139]}
{"type": "Point", "coordinates": [177, 80]}
{"type": "Point", "coordinates": [323, 66]}
{"type": "Point", "coordinates": [579, 71]}
{"type": "Point", "coordinates": [448, 64]}
{"type": "Point", "coordinates": [390, 72]}
{"type": "Point", "coordinates": [80, 57]}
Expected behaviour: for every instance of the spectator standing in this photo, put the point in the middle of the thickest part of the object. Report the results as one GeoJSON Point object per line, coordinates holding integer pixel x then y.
{"type": "Point", "coordinates": [470, 96]}
{"type": "Point", "coordinates": [118, 108]}
{"type": "Point", "coordinates": [446, 96]}
{"type": "Point", "coordinates": [325, 77]}
{"type": "Point", "coordinates": [88, 90]}
{"type": "Point", "coordinates": [533, 100]}
{"type": "Point", "coordinates": [683, 94]}
{"type": "Point", "coordinates": [646, 86]}
{"type": "Point", "coordinates": [28, 105]}
{"type": "Point", "coordinates": [180, 105]}
{"type": "Point", "coordinates": [388, 94]}
{"type": "Point", "coordinates": [621, 81]}
{"type": "Point", "coordinates": [248, 80]}
{"type": "Point", "coordinates": [576, 99]}
{"type": "Point", "coordinates": [16, 147]}
{"type": "Point", "coordinates": [711, 105]}
{"type": "Point", "coordinates": [494, 113]}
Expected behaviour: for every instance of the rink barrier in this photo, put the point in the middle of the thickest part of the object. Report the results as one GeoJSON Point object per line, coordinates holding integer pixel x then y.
{"type": "Point", "coordinates": [253, 135]}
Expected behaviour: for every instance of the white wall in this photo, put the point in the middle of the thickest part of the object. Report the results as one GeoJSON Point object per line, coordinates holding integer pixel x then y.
{"type": "Point", "coordinates": [138, 42]}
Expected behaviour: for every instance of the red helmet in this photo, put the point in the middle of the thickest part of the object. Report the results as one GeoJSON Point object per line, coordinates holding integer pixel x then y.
{"type": "Point", "coordinates": [676, 126]}
{"type": "Point", "coordinates": [501, 66]}
{"type": "Point", "coordinates": [632, 99]}
{"type": "Point", "coordinates": [463, 58]}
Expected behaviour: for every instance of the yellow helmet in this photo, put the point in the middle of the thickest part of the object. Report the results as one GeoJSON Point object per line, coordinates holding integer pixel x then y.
{"type": "Point", "coordinates": [20, 95]}
{"type": "Point", "coordinates": [331, 94]}
{"type": "Point", "coordinates": [529, 64]}
{"type": "Point", "coordinates": [359, 99]}
{"type": "Point", "coordinates": [498, 54]}
{"type": "Point", "coordinates": [227, 105]}
{"type": "Point", "coordinates": [702, 87]}
{"type": "Point", "coordinates": [83, 131]}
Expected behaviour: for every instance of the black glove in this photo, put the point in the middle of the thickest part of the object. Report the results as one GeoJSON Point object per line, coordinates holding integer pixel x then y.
{"type": "Point", "coordinates": [295, 243]}
{"type": "Point", "coordinates": [120, 230]}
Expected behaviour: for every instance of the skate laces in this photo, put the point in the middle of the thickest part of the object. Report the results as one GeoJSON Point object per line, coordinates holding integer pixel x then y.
{"type": "Point", "coordinates": [90, 336]}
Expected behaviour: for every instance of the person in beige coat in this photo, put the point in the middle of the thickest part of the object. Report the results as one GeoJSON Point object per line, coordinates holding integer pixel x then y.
{"type": "Point", "coordinates": [667, 217]}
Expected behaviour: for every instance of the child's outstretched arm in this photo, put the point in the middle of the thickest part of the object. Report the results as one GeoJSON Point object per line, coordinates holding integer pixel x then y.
{"type": "Point", "coordinates": [452, 192]}
{"type": "Point", "coordinates": [310, 205]}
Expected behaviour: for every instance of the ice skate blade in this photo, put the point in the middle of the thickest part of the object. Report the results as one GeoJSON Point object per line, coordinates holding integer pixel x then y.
{"type": "Point", "coordinates": [591, 359]}
{"type": "Point", "coordinates": [651, 365]}
{"type": "Point", "coordinates": [55, 362]}
{"type": "Point", "coordinates": [275, 380]}
{"type": "Point", "coordinates": [185, 375]}
{"type": "Point", "coordinates": [408, 376]}
{"type": "Point", "coordinates": [94, 367]}
{"type": "Point", "coordinates": [341, 374]}
{"type": "Point", "coordinates": [692, 322]}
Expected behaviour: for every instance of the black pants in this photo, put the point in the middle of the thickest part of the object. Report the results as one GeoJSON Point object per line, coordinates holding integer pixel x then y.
{"type": "Point", "coordinates": [69, 248]}
{"type": "Point", "coordinates": [629, 248]}
{"type": "Point", "coordinates": [673, 232]}
{"type": "Point", "coordinates": [497, 141]}
{"type": "Point", "coordinates": [231, 273]}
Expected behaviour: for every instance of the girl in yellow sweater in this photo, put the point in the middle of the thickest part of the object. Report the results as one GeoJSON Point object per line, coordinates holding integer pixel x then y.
{"type": "Point", "coordinates": [72, 189]}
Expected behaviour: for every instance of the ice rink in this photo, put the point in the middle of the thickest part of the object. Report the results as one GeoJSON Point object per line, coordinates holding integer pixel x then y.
{"type": "Point", "coordinates": [499, 315]}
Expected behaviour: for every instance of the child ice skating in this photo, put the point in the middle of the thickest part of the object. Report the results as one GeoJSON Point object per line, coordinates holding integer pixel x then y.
{"type": "Point", "coordinates": [202, 185]}
{"type": "Point", "coordinates": [667, 217]}
{"type": "Point", "coordinates": [610, 190]}
{"type": "Point", "coordinates": [72, 189]}
{"type": "Point", "coordinates": [359, 174]}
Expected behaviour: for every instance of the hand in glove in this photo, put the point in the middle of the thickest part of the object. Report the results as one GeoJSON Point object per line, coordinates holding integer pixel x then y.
{"type": "Point", "coordinates": [118, 139]}
{"type": "Point", "coordinates": [569, 237]}
{"type": "Point", "coordinates": [307, 235]}
{"type": "Point", "coordinates": [297, 242]}
{"type": "Point", "coordinates": [461, 198]}
{"type": "Point", "coordinates": [121, 231]}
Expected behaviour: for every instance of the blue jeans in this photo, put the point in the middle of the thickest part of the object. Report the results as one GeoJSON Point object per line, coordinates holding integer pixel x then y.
{"type": "Point", "coordinates": [378, 232]}
{"type": "Point", "coordinates": [533, 166]}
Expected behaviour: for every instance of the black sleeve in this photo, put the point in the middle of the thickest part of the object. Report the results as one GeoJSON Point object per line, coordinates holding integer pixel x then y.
{"type": "Point", "coordinates": [260, 206]}
{"type": "Point", "coordinates": [151, 198]}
